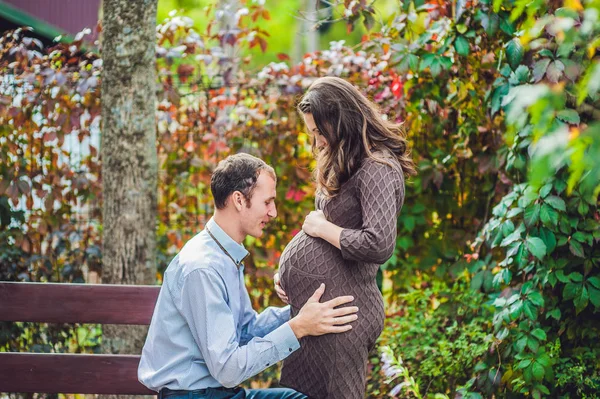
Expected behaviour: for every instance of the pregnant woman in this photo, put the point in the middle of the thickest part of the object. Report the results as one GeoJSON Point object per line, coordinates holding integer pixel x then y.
{"type": "Point", "coordinates": [361, 162]}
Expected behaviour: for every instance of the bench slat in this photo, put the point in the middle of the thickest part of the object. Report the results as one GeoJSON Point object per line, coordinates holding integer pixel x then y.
{"type": "Point", "coordinates": [70, 373]}
{"type": "Point", "coordinates": [77, 303]}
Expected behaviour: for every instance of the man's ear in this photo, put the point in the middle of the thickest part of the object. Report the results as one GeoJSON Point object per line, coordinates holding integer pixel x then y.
{"type": "Point", "coordinates": [238, 200]}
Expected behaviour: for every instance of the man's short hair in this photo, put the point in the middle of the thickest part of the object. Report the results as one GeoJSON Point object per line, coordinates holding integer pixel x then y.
{"type": "Point", "coordinates": [237, 172]}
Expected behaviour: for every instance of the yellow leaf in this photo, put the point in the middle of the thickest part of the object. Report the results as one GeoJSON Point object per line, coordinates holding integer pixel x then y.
{"type": "Point", "coordinates": [574, 4]}
{"type": "Point", "coordinates": [573, 133]}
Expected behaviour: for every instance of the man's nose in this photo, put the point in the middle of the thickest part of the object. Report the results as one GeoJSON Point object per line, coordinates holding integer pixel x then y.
{"type": "Point", "coordinates": [273, 212]}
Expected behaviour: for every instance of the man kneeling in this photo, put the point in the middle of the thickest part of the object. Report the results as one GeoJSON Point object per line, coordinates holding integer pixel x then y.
{"type": "Point", "coordinates": [205, 338]}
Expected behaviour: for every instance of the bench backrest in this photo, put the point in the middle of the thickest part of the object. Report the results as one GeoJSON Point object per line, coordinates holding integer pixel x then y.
{"type": "Point", "coordinates": [74, 303]}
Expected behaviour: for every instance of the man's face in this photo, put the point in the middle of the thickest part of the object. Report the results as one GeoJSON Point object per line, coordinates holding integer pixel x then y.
{"type": "Point", "coordinates": [262, 206]}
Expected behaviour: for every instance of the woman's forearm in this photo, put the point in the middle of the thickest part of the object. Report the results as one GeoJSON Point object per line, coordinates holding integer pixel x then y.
{"type": "Point", "coordinates": [331, 233]}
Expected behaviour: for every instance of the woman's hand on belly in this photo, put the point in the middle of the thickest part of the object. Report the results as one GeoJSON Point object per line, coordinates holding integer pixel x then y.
{"type": "Point", "coordinates": [317, 225]}
{"type": "Point", "coordinates": [279, 290]}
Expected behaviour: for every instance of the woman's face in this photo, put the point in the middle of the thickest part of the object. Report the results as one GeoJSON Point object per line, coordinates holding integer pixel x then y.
{"type": "Point", "coordinates": [320, 141]}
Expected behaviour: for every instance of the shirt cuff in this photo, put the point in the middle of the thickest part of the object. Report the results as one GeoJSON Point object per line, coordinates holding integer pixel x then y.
{"type": "Point", "coordinates": [285, 340]}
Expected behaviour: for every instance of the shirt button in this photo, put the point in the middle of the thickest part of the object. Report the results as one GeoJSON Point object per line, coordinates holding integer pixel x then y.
{"type": "Point", "coordinates": [290, 349]}
{"type": "Point", "coordinates": [267, 364]}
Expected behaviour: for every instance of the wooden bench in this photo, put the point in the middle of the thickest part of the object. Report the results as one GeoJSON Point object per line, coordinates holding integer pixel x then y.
{"type": "Point", "coordinates": [74, 303]}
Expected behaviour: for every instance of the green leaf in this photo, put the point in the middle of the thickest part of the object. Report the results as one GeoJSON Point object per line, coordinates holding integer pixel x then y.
{"type": "Point", "coordinates": [502, 334]}
{"type": "Point", "coordinates": [530, 311]}
{"type": "Point", "coordinates": [580, 237]}
{"type": "Point", "coordinates": [497, 97]}
{"type": "Point", "coordinates": [533, 344]}
{"type": "Point", "coordinates": [461, 45]}
{"type": "Point", "coordinates": [549, 239]}
{"type": "Point", "coordinates": [575, 277]}
{"type": "Point", "coordinates": [413, 61]}
{"type": "Point", "coordinates": [527, 375]}
{"type": "Point", "coordinates": [426, 61]}
{"type": "Point", "coordinates": [555, 71]}
{"type": "Point", "coordinates": [506, 26]}
{"type": "Point", "coordinates": [543, 389]}
{"type": "Point", "coordinates": [544, 360]}
{"type": "Point", "coordinates": [521, 344]}
{"type": "Point", "coordinates": [539, 69]}
{"type": "Point", "coordinates": [520, 75]}
{"type": "Point", "coordinates": [565, 12]}
{"type": "Point", "coordinates": [556, 203]}
{"type": "Point", "coordinates": [538, 371]}
{"type": "Point", "coordinates": [409, 223]}
{"type": "Point", "coordinates": [583, 208]}
{"type": "Point", "coordinates": [516, 235]}
{"type": "Point", "coordinates": [436, 67]}
{"type": "Point", "coordinates": [516, 309]}
{"type": "Point", "coordinates": [554, 313]}
{"type": "Point", "coordinates": [570, 291]}
{"type": "Point", "coordinates": [477, 281]}
{"type": "Point", "coordinates": [508, 227]}
{"type": "Point", "coordinates": [514, 212]}
{"type": "Point", "coordinates": [523, 364]}
{"type": "Point", "coordinates": [461, 28]}
{"type": "Point", "coordinates": [569, 116]}
{"type": "Point", "coordinates": [576, 249]}
{"type": "Point", "coordinates": [490, 24]}
{"type": "Point", "coordinates": [548, 215]}
{"type": "Point", "coordinates": [539, 334]}
{"type": "Point", "coordinates": [581, 300]}
{"type": "Point", "coordinates": [514, 53]}
{"type": "Point", "coordinates": [536, 246]}
{"type": "Point", "coordinates": [594, 295]}
{"type": "Point", "coordinates": [545, 190]}
{"type": "Point", "coordinates": [595, 281]}
{"type": "Point", "coordinates": [536, 298]}
{"type": "Point", "coordinates": [560, 275]}
{"type": "Point", "coordinates": [532, 214]}
{"type": "Point", "coordinates": [522, 255]}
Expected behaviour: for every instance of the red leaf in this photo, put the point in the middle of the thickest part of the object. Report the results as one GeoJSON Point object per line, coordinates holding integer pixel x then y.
{"type": "Point", "coordinates": [190, 146]}
{"type": "Point", "coordinates": [23, 186]}
{"type": "Point", "coordinates": [50, 136]}
{"type": "Point", "coordinates": [295, 194]}
{"type": "Point", "coordinates": [397, 87]}
{"type": "Point", "coordinates": [13, 192]}
{"type": "Point", "coordinates": [184, 71]}
{"type": "Point", "coordinates": [283, 57]}
{"type": "Point", "coordinates": [263, 44]}
{"type": "Point", "coordinates": [26, 244]}
{"type": "Point", "coordinates": [4, 184]}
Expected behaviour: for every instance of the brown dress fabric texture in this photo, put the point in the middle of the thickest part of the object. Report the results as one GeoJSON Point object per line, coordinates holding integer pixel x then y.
{"type": "Point", "coordinates": [367, 207]}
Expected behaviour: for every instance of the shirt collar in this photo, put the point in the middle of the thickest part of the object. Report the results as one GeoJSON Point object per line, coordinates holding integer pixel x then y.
{"type": "Point", "coordinates": [237, 251]}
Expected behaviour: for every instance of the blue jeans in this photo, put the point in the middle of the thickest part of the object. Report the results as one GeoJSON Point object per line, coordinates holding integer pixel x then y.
{"type": "Point", "coordinates": [233, 393]}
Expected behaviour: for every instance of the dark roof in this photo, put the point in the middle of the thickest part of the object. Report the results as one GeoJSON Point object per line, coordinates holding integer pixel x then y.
{"type": "Point", "coordinates": [50, 18]}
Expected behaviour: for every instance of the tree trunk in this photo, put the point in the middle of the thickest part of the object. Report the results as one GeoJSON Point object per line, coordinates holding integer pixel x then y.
{"type": "Point", "coordinates": [129, 160]}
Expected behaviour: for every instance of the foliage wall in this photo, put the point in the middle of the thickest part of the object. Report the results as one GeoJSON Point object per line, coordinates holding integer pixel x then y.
{"type": "Point", "coordinates": [493, 287]}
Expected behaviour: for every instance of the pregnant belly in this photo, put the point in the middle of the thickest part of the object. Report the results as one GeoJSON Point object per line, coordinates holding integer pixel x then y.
{"type": "Point", "coordinates": [305, 263]}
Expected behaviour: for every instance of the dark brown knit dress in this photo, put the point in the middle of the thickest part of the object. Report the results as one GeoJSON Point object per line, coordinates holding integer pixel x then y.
{"type": "Point", "coordinates": [367, 207]}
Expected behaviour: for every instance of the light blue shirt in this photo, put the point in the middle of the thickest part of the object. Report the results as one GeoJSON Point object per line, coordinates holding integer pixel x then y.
{"type": "Point", "coordinates": [204, 332]}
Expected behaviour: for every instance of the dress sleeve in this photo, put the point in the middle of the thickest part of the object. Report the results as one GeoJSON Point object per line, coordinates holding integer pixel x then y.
{"type": "Point", "coordinates": [380, 189]}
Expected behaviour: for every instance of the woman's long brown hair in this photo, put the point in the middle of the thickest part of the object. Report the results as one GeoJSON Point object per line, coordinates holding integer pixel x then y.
{"type": "Point", "coordinates": [354, 130]}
